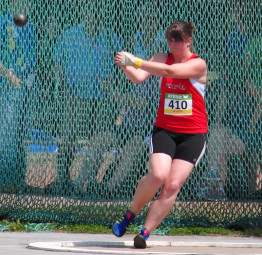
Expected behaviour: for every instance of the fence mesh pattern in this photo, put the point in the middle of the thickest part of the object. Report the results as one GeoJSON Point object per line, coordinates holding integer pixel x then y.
{"type": "Point", "coordinates": [74, 131]}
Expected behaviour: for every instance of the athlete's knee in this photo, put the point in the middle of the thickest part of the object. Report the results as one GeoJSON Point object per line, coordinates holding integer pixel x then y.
{"type": "Point", "coordinates": [157, 178]}
{"type": "Point", "coordinates": [172, 188]}
{"type": "Point", "coordinates": [159, 170]}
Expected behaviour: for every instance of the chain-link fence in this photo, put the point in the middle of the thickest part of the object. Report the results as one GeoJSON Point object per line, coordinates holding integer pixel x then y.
{"type": "Point", "coordinates": [74, 131]}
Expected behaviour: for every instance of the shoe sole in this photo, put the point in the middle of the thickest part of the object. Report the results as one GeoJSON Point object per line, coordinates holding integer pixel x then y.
{"type": "Point", "coordinates": [116, 233]}
{"type": "Point", "coordinates": [139, 242]}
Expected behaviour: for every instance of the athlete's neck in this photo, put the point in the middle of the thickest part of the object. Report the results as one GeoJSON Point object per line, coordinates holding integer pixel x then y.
{"type": "Point", "coordinates": [183, 57]}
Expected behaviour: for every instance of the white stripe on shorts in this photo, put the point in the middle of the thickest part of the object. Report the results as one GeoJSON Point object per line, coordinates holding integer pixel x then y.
{"type": "Point", "coordinates": [151, 144]}
{"type": "Point", "coordinates": [201, 154]}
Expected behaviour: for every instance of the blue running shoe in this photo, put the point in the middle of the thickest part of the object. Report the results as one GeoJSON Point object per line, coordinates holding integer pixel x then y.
{"type": "Point", "coordinates": [120, 226]}
{"type": "Point", "coordinates": [140, 240]}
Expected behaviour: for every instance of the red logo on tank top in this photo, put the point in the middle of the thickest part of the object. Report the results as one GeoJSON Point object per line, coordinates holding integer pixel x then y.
{"type": "Point", "coordinates": [176, 86]}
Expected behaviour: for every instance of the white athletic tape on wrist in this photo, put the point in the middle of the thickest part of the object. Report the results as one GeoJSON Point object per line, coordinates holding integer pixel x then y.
{"type": "Point", "coordinates": [129, 59]}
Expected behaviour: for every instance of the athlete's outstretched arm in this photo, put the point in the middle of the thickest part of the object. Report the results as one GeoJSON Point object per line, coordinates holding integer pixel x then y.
{"type": "Point", "coordinates": [195, 68]}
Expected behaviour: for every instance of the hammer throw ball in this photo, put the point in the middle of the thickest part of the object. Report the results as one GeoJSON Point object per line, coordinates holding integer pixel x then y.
{"type": "Point", "coordinates": [20, 19]}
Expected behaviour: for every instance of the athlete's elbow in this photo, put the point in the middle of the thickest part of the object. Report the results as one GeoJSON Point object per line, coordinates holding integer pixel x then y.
{"type": "Point", "coordinates": [167, 73]}
{"type": "Point", "coordinates": [139, 79]}
{"type": "Point", "coordinates": [136, 81]}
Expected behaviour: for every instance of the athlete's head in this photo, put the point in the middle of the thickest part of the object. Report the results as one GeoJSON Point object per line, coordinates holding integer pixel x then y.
{"type": "Point", "coordinates": [180, 31]}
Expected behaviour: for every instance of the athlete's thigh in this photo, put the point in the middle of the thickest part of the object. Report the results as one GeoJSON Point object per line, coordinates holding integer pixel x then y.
{"type": "Point", "coordinates": [180, 170]}
{"type": "Point", "coordinates": [160, 165]}
{"type": "Point", "coordinates": [162, 142]}
{"type": "Point", "coordinates": [162, 149]}
{"type": "Point", "coordinates": [191, 148]}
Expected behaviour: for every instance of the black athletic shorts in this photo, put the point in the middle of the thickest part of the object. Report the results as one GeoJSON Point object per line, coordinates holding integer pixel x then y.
{"type": "Point", "coordinates": [188, 147]}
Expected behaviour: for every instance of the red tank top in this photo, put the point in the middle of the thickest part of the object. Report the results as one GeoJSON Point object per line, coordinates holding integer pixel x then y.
{"type": "Point", "coordinates": [182, 106]}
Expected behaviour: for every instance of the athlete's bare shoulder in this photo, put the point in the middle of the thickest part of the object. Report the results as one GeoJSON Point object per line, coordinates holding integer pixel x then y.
{"type": "Point", "coordinates": [198, 60]}
{"type": "Point", "coordinates": [160, 57]}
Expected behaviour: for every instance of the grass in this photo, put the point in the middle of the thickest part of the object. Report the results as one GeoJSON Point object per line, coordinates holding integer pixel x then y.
{"type": "Point", "coordinates": [97, 229]}
{"type": "Point", "coordinates": [244, 217]}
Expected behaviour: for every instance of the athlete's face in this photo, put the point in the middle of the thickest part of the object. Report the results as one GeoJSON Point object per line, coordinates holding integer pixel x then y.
{"type": "Point", "coordinates": [177, 47]}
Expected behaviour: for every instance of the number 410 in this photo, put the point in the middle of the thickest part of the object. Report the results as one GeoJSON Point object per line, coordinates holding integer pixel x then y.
{"type": "Point", "coordinates": [177, 104]}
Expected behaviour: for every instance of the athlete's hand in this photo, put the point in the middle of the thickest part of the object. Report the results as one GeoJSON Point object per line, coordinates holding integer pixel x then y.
{"type": "Point", "coordinates": [124, 58]}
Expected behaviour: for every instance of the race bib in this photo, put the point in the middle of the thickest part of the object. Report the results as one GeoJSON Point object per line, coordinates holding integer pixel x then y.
{"type": "Point", "coordinates": [178, 104]}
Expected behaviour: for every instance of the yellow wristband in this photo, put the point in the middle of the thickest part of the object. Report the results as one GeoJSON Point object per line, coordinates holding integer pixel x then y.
{"type": "Point", "coordinates": [138, 62]}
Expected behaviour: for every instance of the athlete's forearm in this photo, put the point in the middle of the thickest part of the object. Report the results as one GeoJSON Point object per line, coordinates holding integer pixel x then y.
{"type": "Point", "coordinates": [135, 75]}
{"type": "Point", "coordinates": [157, 69]}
